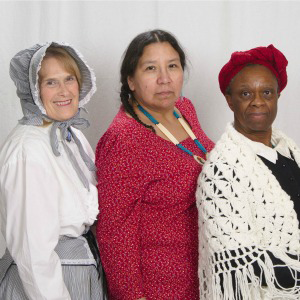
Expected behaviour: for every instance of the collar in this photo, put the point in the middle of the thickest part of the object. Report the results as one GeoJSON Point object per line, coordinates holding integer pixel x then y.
{"type": "Point", "coordinates": [281, 146]}
{"type": "Point", "coordinates": [271, 154]}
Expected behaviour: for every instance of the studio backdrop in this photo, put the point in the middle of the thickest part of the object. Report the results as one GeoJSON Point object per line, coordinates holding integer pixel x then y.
{"type": "Point", "coordinates": [209, 31]}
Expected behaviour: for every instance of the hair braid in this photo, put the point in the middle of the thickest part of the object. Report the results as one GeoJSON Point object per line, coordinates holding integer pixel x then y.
{"type": "Point", "coordinates": [124, 94]}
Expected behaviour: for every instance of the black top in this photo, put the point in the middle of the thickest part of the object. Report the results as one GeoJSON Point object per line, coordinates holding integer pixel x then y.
{"type": "Point", "coordinates": [287, 174]}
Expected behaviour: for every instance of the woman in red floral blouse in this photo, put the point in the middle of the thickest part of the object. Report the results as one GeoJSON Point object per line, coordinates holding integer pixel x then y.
{"type": "Point", "coordinates": [148, 163]}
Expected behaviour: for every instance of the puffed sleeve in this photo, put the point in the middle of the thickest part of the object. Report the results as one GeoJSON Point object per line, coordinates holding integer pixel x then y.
{"type": "Point", "coordinates": [121, 186]}
{"type": "Point", "coordinates": [30, 200]}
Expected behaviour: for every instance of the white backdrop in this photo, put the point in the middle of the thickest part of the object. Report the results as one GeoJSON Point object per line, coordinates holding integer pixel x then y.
{"type": "Point", "coordinates": [209, 31]}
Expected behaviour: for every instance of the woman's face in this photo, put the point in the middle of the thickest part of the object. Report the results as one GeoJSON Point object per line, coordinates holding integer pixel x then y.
{"type": "Point", "coordinates": [253, 100]}
{"type": "Point", "coordinates": [59, 90]}
{"type": "Point", "coordinates": [158, 78]}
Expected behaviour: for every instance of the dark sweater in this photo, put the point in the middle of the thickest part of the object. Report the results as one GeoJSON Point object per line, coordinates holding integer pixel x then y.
{"type": "Point", "coordinates": [287, 174]}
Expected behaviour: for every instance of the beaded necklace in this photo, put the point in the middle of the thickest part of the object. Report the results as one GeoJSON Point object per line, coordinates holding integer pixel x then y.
{"type": "Point", "coordinates": [171, 137]}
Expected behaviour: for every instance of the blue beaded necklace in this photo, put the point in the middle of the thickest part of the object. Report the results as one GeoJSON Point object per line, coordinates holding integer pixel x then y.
{"type": "Point", "coordinates": [171, 137]}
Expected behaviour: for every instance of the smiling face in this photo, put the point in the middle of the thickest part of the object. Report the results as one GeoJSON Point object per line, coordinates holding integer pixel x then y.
{"type": "Point", "coordinates": [59, 90]}
{"type": "Point", "coordinates": [253, 99]}
{"type": "Point", "coordinates": [158, 78]}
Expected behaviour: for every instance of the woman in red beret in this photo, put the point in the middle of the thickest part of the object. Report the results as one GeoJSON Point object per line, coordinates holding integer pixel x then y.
{"type": "Point", "coordinates": [249, 190]}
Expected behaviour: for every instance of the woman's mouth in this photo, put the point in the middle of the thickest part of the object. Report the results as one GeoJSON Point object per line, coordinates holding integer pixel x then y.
{"type": "Point", "coordinates": [63, 103]}
{"type": "Point", "coordinates": [164, 94]}
{"type": "Point", "coordinates": [257, 116]}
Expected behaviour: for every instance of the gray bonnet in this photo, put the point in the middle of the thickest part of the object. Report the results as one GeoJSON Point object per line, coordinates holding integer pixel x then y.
{"type": "Point", "coordinates": [24, 68]}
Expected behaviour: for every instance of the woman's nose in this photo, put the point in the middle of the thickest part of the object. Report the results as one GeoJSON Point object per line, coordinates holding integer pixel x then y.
{"type": "Point", "coordinates": [258, 100]}
{"type": "Point", "coordinates": [63, 89]}
{"type": "Point", "coordinates": [164, 77]}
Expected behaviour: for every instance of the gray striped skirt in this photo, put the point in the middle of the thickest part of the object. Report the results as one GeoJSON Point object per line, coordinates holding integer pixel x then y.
{"type": "Point", "coordinates": [83, 275]}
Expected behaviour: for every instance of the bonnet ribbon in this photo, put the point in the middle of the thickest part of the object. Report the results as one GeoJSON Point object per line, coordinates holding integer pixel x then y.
{"type": "Point", "coordinates": [33, 116]}
{"type": "Point", "coordinates": [67, 133]}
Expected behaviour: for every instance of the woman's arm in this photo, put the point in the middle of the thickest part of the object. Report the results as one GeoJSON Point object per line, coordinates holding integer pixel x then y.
{"type": "Point", "coordinates": [32, 227]}
{"type": "Point", "coordinates": [227, 236]}
{"type": "Point", "coordinates": [121, 187]}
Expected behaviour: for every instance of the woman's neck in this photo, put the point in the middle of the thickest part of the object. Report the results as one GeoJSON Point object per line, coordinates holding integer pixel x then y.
{"type": "Point", "coordinates": [167, 119]}
{"type": "Point", "coordinates": [162, 116]}
{"type": "Point", "coordinates": [263, 137]}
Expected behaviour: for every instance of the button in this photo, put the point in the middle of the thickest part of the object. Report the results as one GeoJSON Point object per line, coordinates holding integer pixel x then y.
{"type": "Point", "coordinates": [298, 195]}
{"type": "Point", "coordinates": [292, 179]}
{"type": "Point", "coordinates": [283, 165]}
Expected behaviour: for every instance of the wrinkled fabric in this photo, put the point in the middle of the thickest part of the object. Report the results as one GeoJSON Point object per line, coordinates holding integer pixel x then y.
{"type": "Point", "coordinates": [269, 57]}
{"type": "Point", "coordinates": [42, 199]}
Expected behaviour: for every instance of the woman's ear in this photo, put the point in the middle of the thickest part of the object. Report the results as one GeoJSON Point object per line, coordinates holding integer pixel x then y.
{"type": "Point", "coordinates": [130, 82]}
{"type": "Point", "coordinates": [229, 101]}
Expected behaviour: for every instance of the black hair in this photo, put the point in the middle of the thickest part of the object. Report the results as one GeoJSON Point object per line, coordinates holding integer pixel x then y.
{"type": "Point", "coordinates": [131, 59]}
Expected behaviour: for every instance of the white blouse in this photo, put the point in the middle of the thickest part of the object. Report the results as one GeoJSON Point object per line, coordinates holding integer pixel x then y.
{"type": "Point", "coordinates": [271, 154]}
{"type": "Point", "coordinates": [42, 198]}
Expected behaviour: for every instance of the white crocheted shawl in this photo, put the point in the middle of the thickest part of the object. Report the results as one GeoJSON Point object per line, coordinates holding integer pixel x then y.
{"type": "Point", "coordinates": [242, 206]}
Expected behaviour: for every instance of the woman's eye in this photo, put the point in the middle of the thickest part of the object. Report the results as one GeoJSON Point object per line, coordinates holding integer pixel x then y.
{"type": "Point", "coordinates": [245, 94]}
{"type": "Point", "coordinates": [51, 82]}
{"type": "Point", "coordinates": [173, 66]}
{"type": "Point", "coordinates": [267, 93]}
{"type": "Point", "coordinates": [150, 68]}
{"type": "Point", "coordinates": [71, 78]}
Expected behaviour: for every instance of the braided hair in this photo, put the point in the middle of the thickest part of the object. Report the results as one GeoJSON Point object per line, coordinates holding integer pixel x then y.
{"type": "Point", "coordinates": [131, 59]}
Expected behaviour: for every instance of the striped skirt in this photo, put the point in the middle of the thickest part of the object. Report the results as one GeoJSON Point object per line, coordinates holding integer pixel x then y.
{"type": "Point", "coordinates": [83, 275]}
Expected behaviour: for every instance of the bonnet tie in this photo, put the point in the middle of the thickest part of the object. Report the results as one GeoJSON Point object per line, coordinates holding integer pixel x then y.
{"type": "Point", "coordinates": [66, 131]}
{"type": "Point", "coordinates": [33, 116]}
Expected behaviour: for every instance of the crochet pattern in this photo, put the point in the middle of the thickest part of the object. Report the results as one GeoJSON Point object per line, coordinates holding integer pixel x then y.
{"type": "Point", "coordinates": [243, 216]}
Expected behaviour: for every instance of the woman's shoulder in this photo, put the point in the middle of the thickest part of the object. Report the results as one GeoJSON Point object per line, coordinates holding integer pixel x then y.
{"type": "Point", "coordinates": [278, 135]}
{"type": "Point", "coordinates": [123, 120]}
{"type": "Point", "coordinates": [186, 106]}
{"type": "Point", "coordinates": [123, 126]}
{"type": "Point", "coordinates": [188, 111]}
{"type": "Point", "coordinates": [123, 132]}
{"type": "Point", "coordinates": [26, 135]}
{"type": "Point", "coordinates": [224, 145]}
{"type": "Point", "coordinates": [24, 141]}
{"type": "Point", "coordinates": [231, 152]}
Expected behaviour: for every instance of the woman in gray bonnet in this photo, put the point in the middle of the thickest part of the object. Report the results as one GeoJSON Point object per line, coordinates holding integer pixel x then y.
{"type": "Point", "coordinates": [48, 197]}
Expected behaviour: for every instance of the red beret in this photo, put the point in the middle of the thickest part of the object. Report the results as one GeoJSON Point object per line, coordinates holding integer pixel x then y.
{"type": "Point", "coordinates": [269, 57]}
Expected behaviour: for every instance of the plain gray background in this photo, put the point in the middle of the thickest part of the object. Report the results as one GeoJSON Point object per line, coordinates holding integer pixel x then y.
{"type": "Point", "coordinates": [209, 31]}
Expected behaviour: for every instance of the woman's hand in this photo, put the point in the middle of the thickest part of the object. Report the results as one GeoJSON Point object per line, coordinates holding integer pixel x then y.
{"type": "Point", "coordinates": [142, 298]}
